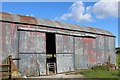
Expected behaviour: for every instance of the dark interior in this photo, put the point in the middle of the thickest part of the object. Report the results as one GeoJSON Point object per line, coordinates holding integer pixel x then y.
{"type": "Point", "coordinates": [50, 49]}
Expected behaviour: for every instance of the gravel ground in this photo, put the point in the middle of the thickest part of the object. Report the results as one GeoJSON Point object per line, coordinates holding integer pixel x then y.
{"type": "Point", "coordinates": [61, 76]}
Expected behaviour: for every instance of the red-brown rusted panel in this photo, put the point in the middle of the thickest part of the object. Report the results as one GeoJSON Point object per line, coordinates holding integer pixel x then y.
{"type": "Point", "coordinates": [28, 20]}
{"type": "Point", "coordinates": [6, 16]}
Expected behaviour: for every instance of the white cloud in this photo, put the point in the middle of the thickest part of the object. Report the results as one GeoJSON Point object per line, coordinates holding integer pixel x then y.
{"type": "Point", "coordinates": [77, 12]}
{"type": "Point", "coordinates": [106, 9]}
{"type": "Point", "coordinates": [102, 9]}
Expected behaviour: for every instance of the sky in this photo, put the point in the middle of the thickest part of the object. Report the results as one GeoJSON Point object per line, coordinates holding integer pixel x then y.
{"type": "Point", "coordinates": [103, 15]}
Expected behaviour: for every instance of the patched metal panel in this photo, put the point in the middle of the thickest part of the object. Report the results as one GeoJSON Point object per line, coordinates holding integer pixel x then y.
{"type": "Point", "coordinates": [65, 62]}
{"type": "Point", "coordinates": [64, 53]}
{"type": "Point", "coordinates": [32, 51]}
{"type": "Point", "coordinates": [9, 40]}
{"type": "Point", "coordinates": [32, 64]}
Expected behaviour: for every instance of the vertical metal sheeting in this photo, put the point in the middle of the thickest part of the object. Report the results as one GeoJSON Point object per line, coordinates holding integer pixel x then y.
{"type": "Point", "coordinates": [9, 40]}
{"type": "Point", "coordinates": [112, 53]}
{"type": "Point", "coordinates": [79, 53]}
{"type": "Point", "coordinates": [101, 48]}
{"type": "Point", "coordinates": [91, 56]}
{"type": "Point", "coordinates": [85, 56]}
{"type": "Point", "coordinates": [64, 53]}
{"type": "Point", "coordinates": [32, 51]}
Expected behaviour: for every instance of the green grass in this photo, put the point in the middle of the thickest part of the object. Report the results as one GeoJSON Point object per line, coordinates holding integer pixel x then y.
{"type": "Point", "coordinates": [100, 73]}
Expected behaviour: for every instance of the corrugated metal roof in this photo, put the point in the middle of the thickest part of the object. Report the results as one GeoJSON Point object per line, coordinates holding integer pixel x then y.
{"type": "Point", "coordinates": [45, 22]}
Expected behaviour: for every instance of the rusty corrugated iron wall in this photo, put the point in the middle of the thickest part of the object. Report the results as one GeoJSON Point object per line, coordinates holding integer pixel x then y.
{"type": "Point", "coordinates": [77, 47]}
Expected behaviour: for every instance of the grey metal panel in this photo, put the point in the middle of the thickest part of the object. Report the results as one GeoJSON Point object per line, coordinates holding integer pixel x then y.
{"type": "Point", "coordinates": [32, 42]}
{"type": "Point", "coordinates": [101, 47]}
{"type": "Point", "coordinates": [79, 53]}
{"type": "Point", "coordinates": [64, 48]}
{"type": "Point", "coordinates": [64, 44]}
{"type": "Point", "coordinates": [32, 51]}
{"type": "Point", "coordinates": [112, 50]}
{"type": "Point", "coordinates": [65, 62]}
{"type": "Point", "coordinates": [106, 48]}
{"type": "Point", "coordinates": [9, 40]}
{"type": "Point", "coordinates": [59, 44]}
{"type": "Point", "coordinates": [68, 44]}
{"type": "Point", "coordinates": [98, 53]}
{"type": "Point", "coordinates": [32, 64]}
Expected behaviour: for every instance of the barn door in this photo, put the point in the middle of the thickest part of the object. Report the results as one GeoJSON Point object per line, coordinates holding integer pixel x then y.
{"type": "Point", "coordinates": [32, 53]}
{"type": "Point", "coordinates": [64, 53]}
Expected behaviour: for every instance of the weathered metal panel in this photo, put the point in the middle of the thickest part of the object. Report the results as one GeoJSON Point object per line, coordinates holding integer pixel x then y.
{"type": "Point", "coordinates": [101, 48]}
{"type": "Point", "coordinates": [32, 51]}
{"type": "Point", "coordinates": [64, 53]}
{"type": "Point", "coordinates": [32, 64]}
{"type": "Point", "coordinates": [106, 48]}
{"type": "Point", "coordinates": [91, 56]}
{"type": "Point", "coordinates": [79, 53]}
{"type": "Point", "coordinates": [64, 44]}
{"type": "Point", "coordinates": [59, 44]}
{"type": "Point", "coordinates": [85, 56]}
{"type": "Point", "coordinates": [98, 52]}
{"type": "Point", "coordinates": [111, 53]}
{"type": "Point", "coordinates": [32, 42]}
{"type": "Point", "coordinates": [9, 40]}
{"type": "Point", "coordinates": [65, 62]}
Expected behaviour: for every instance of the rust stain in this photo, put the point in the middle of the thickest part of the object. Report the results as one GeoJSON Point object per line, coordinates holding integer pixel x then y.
{"type": "Point", "coordinates": [6, 16]}
{"type": "Point", "coordinates": [26, 19]}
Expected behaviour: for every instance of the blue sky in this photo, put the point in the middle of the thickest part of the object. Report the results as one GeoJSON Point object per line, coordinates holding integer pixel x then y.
{"type": "Point", "coordinates": [81, 13]}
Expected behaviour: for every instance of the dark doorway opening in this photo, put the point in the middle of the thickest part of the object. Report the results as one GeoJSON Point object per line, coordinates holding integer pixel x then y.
{"type": "Point", "coordinates": [51, 52]}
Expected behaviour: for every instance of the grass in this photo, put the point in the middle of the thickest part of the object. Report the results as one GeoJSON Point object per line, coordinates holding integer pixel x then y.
{"type": "Point", "coordinates": [101, 72]}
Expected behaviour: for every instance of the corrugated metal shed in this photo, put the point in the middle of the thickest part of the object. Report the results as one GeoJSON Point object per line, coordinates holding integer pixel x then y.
{"type": "Point", "coordinates": [50, 23]}
{"type": "Point", "coordinates": [76, 47]}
